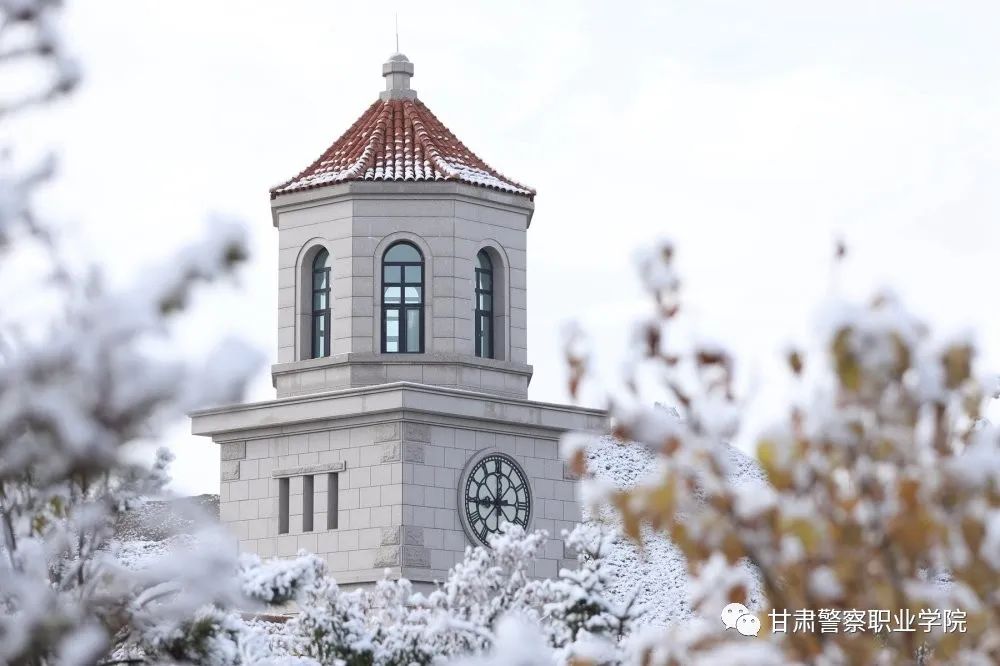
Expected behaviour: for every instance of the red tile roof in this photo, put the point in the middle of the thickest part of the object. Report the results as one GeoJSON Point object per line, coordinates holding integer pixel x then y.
{"type": "Point", "coordinates": [399, 140]}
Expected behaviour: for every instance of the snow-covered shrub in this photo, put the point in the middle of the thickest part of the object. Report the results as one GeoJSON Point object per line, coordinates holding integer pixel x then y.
{"type": "Point", "coordinates": [883, 488]}
{"type": "Point", "coordinates": [331, 628]}
{"type": "Point", "coordinates": [393, 624]}
{"type": "Point", "coordinates": [578, 604]}
{"type": "Point", "coordinates": [83, 375]}
{"type": "Point", "coordinates": [572, 616]}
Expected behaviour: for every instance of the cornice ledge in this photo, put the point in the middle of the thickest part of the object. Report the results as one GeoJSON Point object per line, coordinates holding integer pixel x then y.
{"type": "Point", "coordinates": [431, 358]}
{"type": "Point", "coordinates": [377, 189]}
{"type": "Point", "coordinates": [402, 403]}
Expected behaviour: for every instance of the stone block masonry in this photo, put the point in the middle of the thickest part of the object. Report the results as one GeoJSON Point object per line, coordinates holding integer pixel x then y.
{"type": "Point", "coordinates": [394, 469]}
{"type": "Point", "coordinates": [360, 457]}
{"type": "Point", "coordinates": [450, 223]}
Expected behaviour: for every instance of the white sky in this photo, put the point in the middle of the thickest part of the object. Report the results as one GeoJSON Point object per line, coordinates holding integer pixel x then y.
{"type": "Point", "coordinates": [752, 134]}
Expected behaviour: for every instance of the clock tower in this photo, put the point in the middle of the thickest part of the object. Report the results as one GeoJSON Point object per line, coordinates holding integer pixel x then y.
{"type": "Point", "coordinates": [401, 431]}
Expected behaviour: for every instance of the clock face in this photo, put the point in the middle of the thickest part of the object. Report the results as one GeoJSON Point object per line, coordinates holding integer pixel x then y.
{"type": "Point", "coordinates": [495, 492]}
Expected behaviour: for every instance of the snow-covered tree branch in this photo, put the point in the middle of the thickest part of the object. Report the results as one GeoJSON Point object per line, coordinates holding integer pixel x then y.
{"type": "Point", "coordinates": [884, 486]}
{"type": "Point", "coordinates": [75, 391]}
{"type": "Point", "coordinates": [82, 383]}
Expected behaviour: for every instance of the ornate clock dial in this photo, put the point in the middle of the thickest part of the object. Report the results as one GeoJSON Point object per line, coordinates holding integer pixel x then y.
{"type": "Point", "coordinates": [495, 491]}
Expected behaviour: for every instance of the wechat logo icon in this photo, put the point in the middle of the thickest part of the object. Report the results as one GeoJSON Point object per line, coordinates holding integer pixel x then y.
{"type": "Point", "coordinates": [737, 616]}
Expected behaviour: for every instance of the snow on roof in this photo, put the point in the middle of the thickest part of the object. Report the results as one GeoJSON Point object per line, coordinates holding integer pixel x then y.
{"type": "Point", "coordinates": [657, 572]}
{"type": "Point", "coordinates": [399, 139]}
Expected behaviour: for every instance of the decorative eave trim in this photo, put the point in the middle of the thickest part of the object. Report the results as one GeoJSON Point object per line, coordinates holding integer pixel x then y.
{"type": "Point", "coordinates": [441, 189]}
{"type": "Point", "coordinates": [306, 470]}
{"type": "Point", "coordinates": [376, 401]}
{"type": "Point", "coordinates": [427, 358]}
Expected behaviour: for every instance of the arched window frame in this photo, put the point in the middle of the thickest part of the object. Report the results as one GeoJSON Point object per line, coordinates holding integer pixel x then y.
{"type": "Point", "coordinates": [295, 310]}
{"type": "Point", "coordinates": [320, 320]}
{"type": "Point", "coordinates": [405, 282]}
{"type": "Point", "coordinates": [501, 297]}
{"type": "Point", "coordinates": [485, 329]}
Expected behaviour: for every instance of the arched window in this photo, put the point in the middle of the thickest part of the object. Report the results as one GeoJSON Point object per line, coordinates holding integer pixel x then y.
{"type": "Point", "coordinates": [484, 305]}
{"type": "Point", "coordinates": [402, 300]}
{"type": "Point", "coordinates": [321, 305]}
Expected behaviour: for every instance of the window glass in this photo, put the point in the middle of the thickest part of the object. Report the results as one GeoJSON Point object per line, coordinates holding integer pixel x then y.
{"type": "Point", "coordinates": [391, 273]}
{"type": "Point", "coordinates": [390, 295]}
{"type": "Point", "coordinates": [392, 330]}
{"type": "Point", "coordinates": [486, 343]}
{"type": "Point", "coordinates": [402, 252]}
{"type": "Point", "coordinates": [320, 336]}
{"type": "Point", "coordinates": [484, 305]}
{"type": "Point", "coordinates": [321, 304]}
{"type": "Point", "coordinates": [413, 330]}
{"type": "Point", "coordinates": [402, 299]}
{"type": "Point", "coordinates": [483, 260]}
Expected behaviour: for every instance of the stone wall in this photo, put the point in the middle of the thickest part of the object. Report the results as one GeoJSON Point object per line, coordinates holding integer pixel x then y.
{"type": "Point", "coordinates": [397, 499]}
{"type": "Point", "coordinates": [356, 370]}
{"type": "Point", "coordinates": [449, 222]}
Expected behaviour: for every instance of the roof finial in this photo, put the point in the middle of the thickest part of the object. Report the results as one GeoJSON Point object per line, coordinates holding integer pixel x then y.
{"type": "Point", "coordinates": [397, 72]}
{"type": "Point", "coordinates": [397, 32]}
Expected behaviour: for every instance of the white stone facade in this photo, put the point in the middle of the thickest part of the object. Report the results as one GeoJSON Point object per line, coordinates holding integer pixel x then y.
{"type": "Point", "coordinates": [393, 431]}
{"type": "Point", "coordinates": [449, 223]}
{"type": "Point", "coordinates": [401, 447]}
